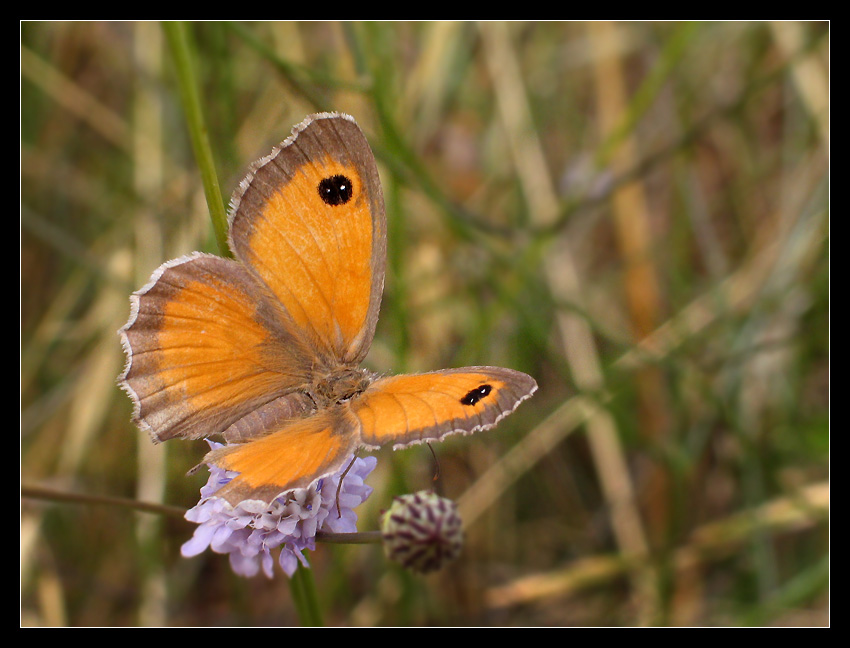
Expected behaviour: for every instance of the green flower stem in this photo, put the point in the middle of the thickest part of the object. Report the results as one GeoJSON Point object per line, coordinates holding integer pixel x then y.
{"type": "Point", "coordinates": [182, 51]}
{"type": "Point", "coordinates": [303, 588]}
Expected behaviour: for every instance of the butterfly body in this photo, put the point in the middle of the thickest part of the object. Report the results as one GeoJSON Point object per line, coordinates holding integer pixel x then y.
{"type": "Point", "coordinates": [265, 349]}
{"type": "Point", "coordinates": [340, 385]}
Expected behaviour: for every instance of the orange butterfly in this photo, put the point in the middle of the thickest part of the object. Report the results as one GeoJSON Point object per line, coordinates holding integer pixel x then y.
{"type": "Point", "coordinates": [265, 349]}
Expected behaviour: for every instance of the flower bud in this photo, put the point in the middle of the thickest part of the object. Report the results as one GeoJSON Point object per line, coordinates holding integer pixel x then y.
{"type": "Point", "coordinates": [422, 531]}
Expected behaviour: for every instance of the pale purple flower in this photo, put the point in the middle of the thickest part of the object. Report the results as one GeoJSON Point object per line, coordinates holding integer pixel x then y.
{"type": "Point", "coordinates": [250, 531]}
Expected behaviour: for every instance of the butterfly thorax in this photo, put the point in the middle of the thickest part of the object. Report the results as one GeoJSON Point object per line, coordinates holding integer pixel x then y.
{"type": "Point", "coordinates": [338, 385]}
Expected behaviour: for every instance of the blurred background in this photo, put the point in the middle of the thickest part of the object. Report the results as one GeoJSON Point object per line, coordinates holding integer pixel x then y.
{"type": "Point", "coordinates": [634, 213]}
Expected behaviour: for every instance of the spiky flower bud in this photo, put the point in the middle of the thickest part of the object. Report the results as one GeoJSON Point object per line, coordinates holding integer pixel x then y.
{"type": "Point", "coordinates": [422, 531]}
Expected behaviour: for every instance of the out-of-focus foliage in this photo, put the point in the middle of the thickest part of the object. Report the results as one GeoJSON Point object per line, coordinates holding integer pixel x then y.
{"type": "Point", "coordinates": [634, 213]}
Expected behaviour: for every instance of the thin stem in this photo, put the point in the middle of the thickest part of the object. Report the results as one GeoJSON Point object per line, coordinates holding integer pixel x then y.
{"type": "Point", "coordinates": [53, 495]}
{"type": "Point", "coordinates": [182, 52]}
{"type": "Point", "coordinates": [49, 494]}
{"type": "Point", "coordinates": [357, 537]}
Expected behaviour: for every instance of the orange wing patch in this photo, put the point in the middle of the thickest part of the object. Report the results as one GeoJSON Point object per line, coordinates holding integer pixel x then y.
{"type": "Point", "coordinates": [318, 267]}
{"type": "Point", "coordinates": [196, 342]}
{"type": "Point", "coordinates": [421, 407]}
{"type": "Point", "coordinates": [310, 223]}
{"type": "Point", "coordinates": [292, 457]}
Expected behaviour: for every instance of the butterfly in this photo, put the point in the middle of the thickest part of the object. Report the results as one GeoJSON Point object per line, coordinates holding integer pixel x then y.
{"type": "Point", "coordinates": [264, 349]}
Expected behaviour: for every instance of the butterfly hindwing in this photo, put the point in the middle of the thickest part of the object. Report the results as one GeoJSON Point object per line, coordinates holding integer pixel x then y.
{"type": "Point", "coordinates": [292, 456]}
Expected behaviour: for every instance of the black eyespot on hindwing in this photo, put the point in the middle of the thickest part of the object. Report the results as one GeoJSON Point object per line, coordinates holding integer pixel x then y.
{"type": "Point", "coordinates": [336, 190]}
{"type": "Point", "coordinates": [475, 395]}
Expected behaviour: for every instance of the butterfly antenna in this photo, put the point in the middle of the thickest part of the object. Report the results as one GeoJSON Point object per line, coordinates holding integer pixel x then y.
{"type": "Point", "coordinates": [339, 486]}
{"type": "Point", "coordinates": [436, 463]}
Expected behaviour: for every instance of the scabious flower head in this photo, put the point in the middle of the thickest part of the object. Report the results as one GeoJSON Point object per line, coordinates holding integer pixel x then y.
{"type": "Point", "coordinates": [422, 531]}
{"type": "Point", "coordinates": [250, 531]}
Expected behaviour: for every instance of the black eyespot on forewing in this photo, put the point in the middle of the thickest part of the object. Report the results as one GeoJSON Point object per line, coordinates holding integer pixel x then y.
{"type": "Point", "coordinates": [475, 395]}
{"type": "Point", "coordinates": [336, 190]}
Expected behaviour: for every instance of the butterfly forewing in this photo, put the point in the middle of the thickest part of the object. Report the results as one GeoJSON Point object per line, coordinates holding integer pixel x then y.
{"type": "Point", "coordinates": [309, 221]}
